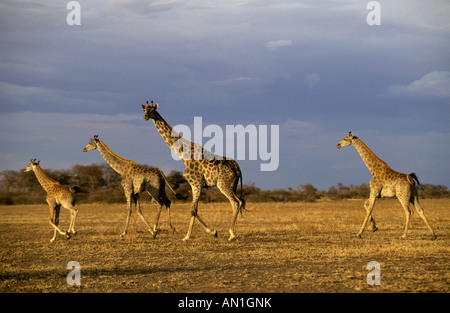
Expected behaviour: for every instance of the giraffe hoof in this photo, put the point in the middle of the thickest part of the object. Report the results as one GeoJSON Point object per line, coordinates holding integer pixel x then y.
{"type": "Point", "coordinates": [374, 229]}
{"type": "Point", "coordinates": [68, 236]}
{"type": "Point", "coordinates": [358, 236]}
{"type": "Point", "coordinates": [185, 238]}
{"type": "Point", "coordinates": [214, 233]}
{"type": "Point", "coordinates": [232, 235]}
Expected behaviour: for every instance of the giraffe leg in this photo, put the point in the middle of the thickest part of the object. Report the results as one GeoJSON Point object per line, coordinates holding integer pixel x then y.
{"type": "Point", "coordinates": [156, 198]}
{"type": "Point", "coordinates": [236, 205]}
{"type": "Point", "coordinates": [374, 227]}
{"type": "Point", "coordinates": [169, 218]}
{"type": "Point", "coordinates": [195, 196]}
{"type": "Point", "coordinates": [191, 224]}
{"type": "Point", "coordinates": [139, 212]}
{"type": "Point", "coordinates": [405, 205]}
{"type": "Point", "coordinates": [368, 205]}
{"type": "Point", "coordinates": [422, 215]}
{"type": "Point", "coordinates": [73, 216]}
{"type": "Point", "coordinates": [129, 205]}
{"type": "Point", "coordinates": [54, 221]}
{"type": "Point", "coordinates": [233, 224]}
{"type": "Point", "coordinates": [167, 203]}
{"type": "Point", "coordinates": [155, 227]}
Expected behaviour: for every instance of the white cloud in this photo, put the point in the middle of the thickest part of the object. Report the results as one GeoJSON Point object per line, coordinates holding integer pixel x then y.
{"type": "Point", "coordinates": [276, 44]}
{"type": "Point", "coordinates": [434, 84]}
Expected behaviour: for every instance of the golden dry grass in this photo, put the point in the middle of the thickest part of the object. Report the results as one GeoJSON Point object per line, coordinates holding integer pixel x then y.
{"type": "Point", "coordinates": [292, 247]}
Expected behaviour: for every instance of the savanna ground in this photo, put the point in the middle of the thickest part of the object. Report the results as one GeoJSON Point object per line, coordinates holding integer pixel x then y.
{"type": "Point", "coordinates": [280, 248]}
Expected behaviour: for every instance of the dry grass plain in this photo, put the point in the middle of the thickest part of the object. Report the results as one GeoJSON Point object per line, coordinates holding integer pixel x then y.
{"type": "Point", "coordinates": [280, 248]}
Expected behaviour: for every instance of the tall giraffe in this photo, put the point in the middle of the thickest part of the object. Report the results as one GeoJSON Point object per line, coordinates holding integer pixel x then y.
{"type": "Point", "coordinates": [136, 179]}
{"type": "Point", "coordinates": [57, 196]}
{"type": "Point", "coordinates": [386, 183]}
{"type": "Point", "coordinates": [203, 168]}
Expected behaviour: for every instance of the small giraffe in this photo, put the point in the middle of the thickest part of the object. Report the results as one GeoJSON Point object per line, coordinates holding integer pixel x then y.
{"type": "Point", "coordinates": [203, 168]}
{"type": "Point", "coordinates": [386, 183]}
{"type": "Point", "coordinates": [136, 179]}
{"type": "Point", "coordinates": [57, 196]}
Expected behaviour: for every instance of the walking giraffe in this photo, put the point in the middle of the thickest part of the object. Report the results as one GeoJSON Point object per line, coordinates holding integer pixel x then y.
{"type": "Point", "coordinates": [57, 196]}
{"type": "Point", "coordinates": [203, 168]}
{"type": "Point", "coordinates": [386, 183]}
{"type": "Point", "coordinates": [136, 179]}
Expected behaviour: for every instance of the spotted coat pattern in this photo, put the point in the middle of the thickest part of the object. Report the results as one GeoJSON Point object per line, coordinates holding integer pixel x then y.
{"type": "Point", "coordinates": [136, 179]}
{"type": "Point", "coordinates": [203, 168]}
{"type": "Point", "coordinates": [57, 196]}
{"type": "Point", "coordinates": [386, 182]}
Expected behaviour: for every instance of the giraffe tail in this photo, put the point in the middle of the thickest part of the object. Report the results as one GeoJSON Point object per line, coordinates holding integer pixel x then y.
{"type": "Point", "coordinates": [242, 206]}
{"type": "Point", "coordinates": [177, 195]}
{"type": "Point", "coordinates": [414, 176]}
{"type": "Point", "coordinates": [167, 182]}
{"type": "Point", "coordinates": [74, 189]}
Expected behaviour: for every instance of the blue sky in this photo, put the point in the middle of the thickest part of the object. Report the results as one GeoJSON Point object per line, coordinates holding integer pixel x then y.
{"type": "Point", "coordinates": [315, 68]}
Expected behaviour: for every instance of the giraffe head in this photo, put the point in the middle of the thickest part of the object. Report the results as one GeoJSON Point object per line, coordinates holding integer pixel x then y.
{"type": "Point", "coordinates": [150, 111]}
{"type": "Point", "coordinates": [31, 165]}
{"type": "Point", "coordinates": [348, 140]}
{"type": "Point", "coordinates": [92, 145]}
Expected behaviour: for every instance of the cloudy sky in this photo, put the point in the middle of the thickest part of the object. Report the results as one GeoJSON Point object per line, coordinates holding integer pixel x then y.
{"type": "Point", "coordinates": [314, 68]}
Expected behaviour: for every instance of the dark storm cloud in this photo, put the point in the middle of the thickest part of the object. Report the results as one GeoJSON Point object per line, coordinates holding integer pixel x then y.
{"type": "Point", "coordinates": [313, 67]}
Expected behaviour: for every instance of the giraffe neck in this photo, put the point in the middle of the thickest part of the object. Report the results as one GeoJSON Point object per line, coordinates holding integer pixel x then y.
{"type": "Point", "coordinates": [117, 163]}
{"type": "Point", "coordinates": [174, 140]}
{"type": "Point", "coordinates": [369, 158]}
{"type": "Point", "coordinates": [45, 181]}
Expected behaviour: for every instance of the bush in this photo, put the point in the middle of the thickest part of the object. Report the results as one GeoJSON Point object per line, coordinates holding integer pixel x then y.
{"type": "Point", "coordinates": [100, 183]}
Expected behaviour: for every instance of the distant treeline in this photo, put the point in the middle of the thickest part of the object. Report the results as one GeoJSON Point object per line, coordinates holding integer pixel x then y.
{"type": "Point", "coordinates": [100, 183]}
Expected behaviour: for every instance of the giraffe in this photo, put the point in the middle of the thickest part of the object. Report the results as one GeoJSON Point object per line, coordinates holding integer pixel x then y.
{"type": "Point", "coordinates": [57, 196]}
{"type": "Point", "coordinates": [386, 183]}
{"type": "Point", "coordinates": [136, 179]}
{"type": "Point", "coordinates": [203, 168]}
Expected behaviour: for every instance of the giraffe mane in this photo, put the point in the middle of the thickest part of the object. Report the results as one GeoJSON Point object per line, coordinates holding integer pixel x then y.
{"type": "Point", "coordinates": [119, 157]}
{"type": "Point", "coordinates": [162, 120]}
{"type": "Point", "coordinates": [46, 176]}
{"type": "Point", "coordinates": [371, 152]}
